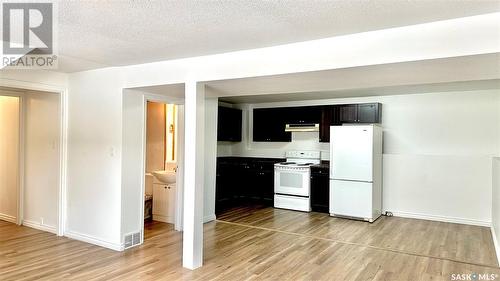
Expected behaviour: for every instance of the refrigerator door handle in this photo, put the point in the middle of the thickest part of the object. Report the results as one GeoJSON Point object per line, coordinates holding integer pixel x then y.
{"type": "Point", "coordinates": [351, 180]}
{"type": "Point", "coordinates": [331, 153]}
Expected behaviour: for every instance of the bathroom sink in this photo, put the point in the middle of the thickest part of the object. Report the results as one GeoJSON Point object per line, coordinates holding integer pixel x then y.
{"type": "Point", "coordinates": [165, 176]}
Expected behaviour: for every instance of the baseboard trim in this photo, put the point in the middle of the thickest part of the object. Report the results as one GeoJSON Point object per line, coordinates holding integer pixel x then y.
{"type": "Point", "coordinates": [93, 240]}
{"type": "Point", "coordinates": [441, 218]}
{"type": "Point", "coordinates": [165, 219]}
{"type": "Point", "coordinates": [39, 226]}
{"type": "Point", "coordinates": [209, 218]}
{"type": "Point", "coordinates": [8, 218]}
{"type": "Point", "coordinates": [495, 242]}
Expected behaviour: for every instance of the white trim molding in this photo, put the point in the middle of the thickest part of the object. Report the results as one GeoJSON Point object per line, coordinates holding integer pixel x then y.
{"type": "Point", "coordinates": [495, 242]}
{"type": "Point", "coordinates": [40, 226]}
{"type": "Point", "coordinates": [8, 218]}
{"type": "Point", "coordinates": [93, 240]}
{"type": "Point", "coordinates": [441, 218]}
{"type": "Point", "coordinates": [63, 158]}
{"type": "Point", "coordinates": [209, 218]}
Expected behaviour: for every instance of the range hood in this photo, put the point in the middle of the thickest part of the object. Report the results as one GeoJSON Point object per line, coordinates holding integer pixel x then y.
{"type": "Point", "coordinates": [303, 127]}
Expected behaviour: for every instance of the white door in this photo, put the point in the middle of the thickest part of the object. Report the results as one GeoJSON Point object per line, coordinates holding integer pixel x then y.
{"type": "Point", "coordinates": [350, 198]}
{"type": "Point", "coordinates": [351, 153]}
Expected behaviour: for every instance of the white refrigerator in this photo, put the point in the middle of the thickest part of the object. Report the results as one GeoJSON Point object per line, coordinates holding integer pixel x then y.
{"type": "Point", "coordinates": [356, 171]}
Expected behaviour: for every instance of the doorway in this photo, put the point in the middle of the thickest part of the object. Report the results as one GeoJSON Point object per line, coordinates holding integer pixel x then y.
{"type": "Point", "coordinates": [161, 165]}
{"type": "Point", "coordinates": [10, 121]}
{"type": "Point", "coordinates": [31, 158]}
{"type": "Point", "coordinates": [137, 177]}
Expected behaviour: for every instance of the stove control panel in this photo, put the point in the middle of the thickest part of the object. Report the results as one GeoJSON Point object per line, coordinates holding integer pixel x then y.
{"type": "Point", "coordinates": [304, 154]}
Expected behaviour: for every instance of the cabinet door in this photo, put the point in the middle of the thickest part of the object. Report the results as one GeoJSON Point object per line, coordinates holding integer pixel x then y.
{"type": "Point", "coordinates": [324, 125]}
{"type": "Point", "coordinates": [224, 190]}
{"type": "Point", "coordinates": [269, 125]}
{"type": "Point", "coordinates": [264, 183]}
{"type": "Point", "coordinates": [235, 127]}
{"type": "Point", "coordinates": [229, 124]}
{"type": "Point", "coordinates": [320, 190]}
{"type": "Point", "coordinates": [171, 203]}
{"type": "Point", "coordinates": [330, 116]}
{"type": "Point", "coordinates": [160, 199]}
{"type": "Point", "coordinates": [260, 125]}
{"type": "Point", "coordinates": [349, 113]}
{"type": "Point", "coordinates": [302, 114]}
{"type": "Point", "coordinates": [369, 113]}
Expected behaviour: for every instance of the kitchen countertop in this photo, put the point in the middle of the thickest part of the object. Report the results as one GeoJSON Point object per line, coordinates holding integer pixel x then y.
{"type": "Point", "coordinates": [322, 165]}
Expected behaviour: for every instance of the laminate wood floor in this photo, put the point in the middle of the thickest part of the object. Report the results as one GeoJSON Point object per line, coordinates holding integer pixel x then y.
{"type": "Point", "coordinates": [457, 242]}
{"type": "Point", "coordinates": [237, 247]}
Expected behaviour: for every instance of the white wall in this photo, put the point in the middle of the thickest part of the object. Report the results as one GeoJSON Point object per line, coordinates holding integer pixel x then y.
{"type": "Point", "coordinates": [496, 205]}
{"type": "Point", "coordinates": [437, 152]}
{"type": "Point", "coordinates": [42, 158]}
{"type": "Point", "coordinates": [210, 158]}
{"type": "Point", "coordinates": [94, 157]}
{"type": "Point", "coordinates": [132, 163]}
{"type": "Point", "coordinates": [9, 157]}
{"type": "Point", "coordinates": [495, 212]}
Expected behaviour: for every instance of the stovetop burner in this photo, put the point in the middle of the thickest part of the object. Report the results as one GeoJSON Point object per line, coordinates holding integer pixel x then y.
{"type": "Point", "coordinates": [295, 164]}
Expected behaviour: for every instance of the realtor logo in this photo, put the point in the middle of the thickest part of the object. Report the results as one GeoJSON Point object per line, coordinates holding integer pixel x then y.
{"type": "Point", "coordinates": [26, 27]}
{"type": "Point", "coordinates": [28, 35]}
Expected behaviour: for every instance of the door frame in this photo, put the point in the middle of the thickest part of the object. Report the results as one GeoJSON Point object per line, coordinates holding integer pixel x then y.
{"type": "Point", "coordinates": [63, 146]}
{"type": "Point", "coordinates": [179, 190]}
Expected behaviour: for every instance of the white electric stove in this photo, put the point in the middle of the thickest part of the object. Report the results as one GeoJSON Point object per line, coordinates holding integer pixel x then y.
{"type": "Point", "coordinates": [292, 184]}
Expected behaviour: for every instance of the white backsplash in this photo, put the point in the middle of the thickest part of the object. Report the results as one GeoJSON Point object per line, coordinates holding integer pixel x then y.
{"type": "Point", "coordinates": [300, 141]}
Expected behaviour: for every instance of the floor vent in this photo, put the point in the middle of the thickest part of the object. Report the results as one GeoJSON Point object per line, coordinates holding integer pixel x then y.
{"type": "Point", "coordinates": [132, 239]}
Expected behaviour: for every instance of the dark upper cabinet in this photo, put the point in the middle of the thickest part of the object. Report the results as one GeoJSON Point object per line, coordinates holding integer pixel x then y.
{"type": "Point", "coordinates": [269, 125]}
{"type": "Point", "coordinates": [229, 124]}
{"type": "Point", "coordinates": [349, 113]}
{"type": "Point", "coordinates": [303, 115]}
{"type": "Point", "coordinates": [361, 113]}
{"type": "Point", "coordinates": [330, 116]}
{"type": "Point", "coordinates": [369, 113]}
{"type": "Point", "coordinates": [320, 189]}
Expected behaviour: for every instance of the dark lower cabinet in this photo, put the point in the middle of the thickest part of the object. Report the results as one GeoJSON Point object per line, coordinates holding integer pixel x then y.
{"type": "Point", "coordinates": [320, 189]}
{"type": "Point", "coordinates": [244, 181]}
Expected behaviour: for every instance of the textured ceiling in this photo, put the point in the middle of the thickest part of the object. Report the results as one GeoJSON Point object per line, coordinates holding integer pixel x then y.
{"type": "Point", "coordinates": [95, 34]}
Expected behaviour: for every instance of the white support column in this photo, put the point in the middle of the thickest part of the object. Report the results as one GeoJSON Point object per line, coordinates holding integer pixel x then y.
{"type": "Point", "coordinates": [192, 251]}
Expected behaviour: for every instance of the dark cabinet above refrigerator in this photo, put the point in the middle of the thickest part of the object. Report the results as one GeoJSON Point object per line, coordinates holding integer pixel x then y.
{"type": "Point", "coordinates": [361, 113]}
